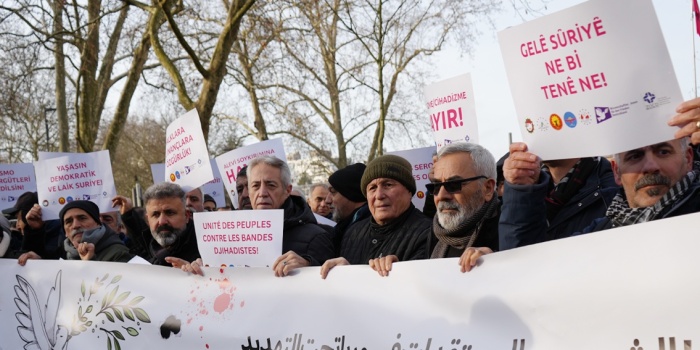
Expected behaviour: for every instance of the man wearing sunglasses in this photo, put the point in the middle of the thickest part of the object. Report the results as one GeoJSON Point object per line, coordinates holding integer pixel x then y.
{"type": "Point", "coordinates": [395, 228]}
{"type": "Point", "coordinates": [466, 222]}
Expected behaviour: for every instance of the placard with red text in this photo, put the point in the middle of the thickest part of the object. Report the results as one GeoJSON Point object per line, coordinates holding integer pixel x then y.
{"type": "Point", "coordinates": [186, 156]}
{"type": "Point", "coordinates": [230, 163]}
{"type": "Point", "coordinates": [240, 238]}
{"type": "Point", "coordinates": [592, 80]}
{"type": "Point", "coordinates": [78, 176]}
{"type": "Point", "coordinates": [452, 110]}
{"type": "Point", "coordinates": [421, 160]}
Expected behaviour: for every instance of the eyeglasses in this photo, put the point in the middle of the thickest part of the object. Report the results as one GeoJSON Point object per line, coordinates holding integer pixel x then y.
{"type": "Point", "coordinates": [452, 186]}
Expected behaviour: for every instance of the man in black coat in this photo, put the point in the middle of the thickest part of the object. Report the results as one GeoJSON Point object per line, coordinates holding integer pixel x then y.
{"type": "Point", "coordinates": [168, 230]}
{"type": "Point", "coordinates": [396, 227]}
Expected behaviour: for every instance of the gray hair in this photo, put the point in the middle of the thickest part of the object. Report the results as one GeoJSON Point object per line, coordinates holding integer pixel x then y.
{"type": "Point", "coordinates": [164, 190]}
{"type": "Point", "coordinates": [685, 143]}
{"type": "Point", "coordinates": [299, 191]}
{"type": "Point", "coordinates": [274, 162]}
{"type": "Point", "coordinates": [313, 187]}
{"type": "Point", "coordinates": [483, 161]}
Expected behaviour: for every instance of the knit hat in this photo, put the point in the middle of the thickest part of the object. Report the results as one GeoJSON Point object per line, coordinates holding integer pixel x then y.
{"type": "Point", "coordinates": [25, 202]}
{"type": "Point", "coordinates": [347, 182]}
{"type": "Point", "coordinates": [89, 207]}
{"type": "Point", "coordinates": [208, 198]}
{"type": "Point", "coordinates": [392, 167]}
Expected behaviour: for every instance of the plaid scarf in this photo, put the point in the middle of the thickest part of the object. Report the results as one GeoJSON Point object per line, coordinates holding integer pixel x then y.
{"type": "Point", "coordinates": [621, 214]}
{"type": "Point", "coordinates": [572, 182]}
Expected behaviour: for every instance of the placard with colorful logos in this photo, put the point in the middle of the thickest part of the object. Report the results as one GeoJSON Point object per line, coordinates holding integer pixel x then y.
{"type": "Point", "coordinates": [15, 179]}
{"type": "Point", "coordinates": [592, 80]}
{"type": "Point", "coordinates": [78, 176]}
{"type": "Point", "coordinates": [421, 160]}
{"type": "Point", "coordinates": [452, 110]}
{"type": "Point", "coordinates": [186, 156]}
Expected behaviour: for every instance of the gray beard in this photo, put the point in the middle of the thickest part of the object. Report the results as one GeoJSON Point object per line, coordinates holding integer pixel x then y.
{"type": "Point", "coordinates": [450, 221]}
{"type": "Point", "coordinates": [167, 238]}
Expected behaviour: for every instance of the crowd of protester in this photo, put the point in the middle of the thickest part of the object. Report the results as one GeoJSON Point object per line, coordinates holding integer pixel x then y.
{"type": "Point", "coordinates": [474, 206]}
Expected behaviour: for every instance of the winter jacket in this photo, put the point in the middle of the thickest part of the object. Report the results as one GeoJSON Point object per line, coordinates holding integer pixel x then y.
{"type": "Point", "coordinates": [690, 203]}
{"type": "Point", "coordinates": [109, 248]}
{"type": "Point", "coordinates": [524, 211]}
{"type": "Point", "coordinates": [303, 235]}
{"type": "Point", "coordinates": [405, 237]}
{"type": "Point", "coordinates": [344, 225]}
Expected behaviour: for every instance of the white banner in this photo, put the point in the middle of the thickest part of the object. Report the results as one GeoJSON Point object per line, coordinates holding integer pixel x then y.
{"type": "Point", "coordinates": [239, 238]}
{"type": "Point", "coordinates": [230, 163]}
{"type": "Point", "coordinates": [421, 160]}
{"type": "Point", "coordinates": [592, 80]}
{"type": "Point", "coordinates": [15, 179]}
{"type": "Point", "coordinates": [214, 188]}
{"type": "Point", "coordinates": [78, 176]}
{"type": "Point", "coordinates": [452, 110]}
{"type": "Point", "coordinates": [186, 155]}
{"type": "Point", "coordinates": [618, 289]}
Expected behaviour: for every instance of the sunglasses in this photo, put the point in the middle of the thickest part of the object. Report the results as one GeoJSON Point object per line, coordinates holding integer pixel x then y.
{"type": "Point", "coordinates": [452, 186]}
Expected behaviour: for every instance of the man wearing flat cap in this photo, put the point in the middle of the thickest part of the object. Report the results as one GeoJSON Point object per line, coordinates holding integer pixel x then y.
{"type": "Point", "coordinates": [86, 237]}
{"type": "Point", "coordinates": [396, 227]}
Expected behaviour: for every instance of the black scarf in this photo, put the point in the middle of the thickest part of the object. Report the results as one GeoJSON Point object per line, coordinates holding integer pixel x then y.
{"type": "Point", "coordinates": [463, 236]}
{"type": "Point", "coordinates": [572, 182]}
{"type": "Point", "coordinates": [621, 214]}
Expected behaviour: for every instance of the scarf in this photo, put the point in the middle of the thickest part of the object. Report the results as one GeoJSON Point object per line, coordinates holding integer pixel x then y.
{"type": "Point", "coordinates": [572, 182]}
{"type": "Point", "coordinates": [621, 214]}
{"type": "Point", "coordinates": [464, 235]}
{"type": "Point", "coordinates": [89, 236]}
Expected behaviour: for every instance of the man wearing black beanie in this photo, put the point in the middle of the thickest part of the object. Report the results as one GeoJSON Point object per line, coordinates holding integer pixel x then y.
{"type": "Point", "coordinates": [348, 202]}
{"type": "Point", "coordinates": [86, 237]}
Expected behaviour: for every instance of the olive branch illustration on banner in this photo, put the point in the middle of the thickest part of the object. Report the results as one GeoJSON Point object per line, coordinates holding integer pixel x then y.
{"type": "Point", "coordinates": [122, 316]}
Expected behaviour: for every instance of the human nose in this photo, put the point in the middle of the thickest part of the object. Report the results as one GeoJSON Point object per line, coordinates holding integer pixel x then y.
{"type": "Point", "coordinates": [650, 164]}
{"type": "Point", "coordinates": [329, 200]}
{"type": "Point", "coordinates": [162, 220]}
{"type": "Point", "coordinates": [244, 193]}
{"type": "Point", "coordinates": [443, 193]}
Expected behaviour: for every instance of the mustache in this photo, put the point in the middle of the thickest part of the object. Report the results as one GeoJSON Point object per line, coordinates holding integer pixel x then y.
{"type": "Point", "coordinates": [165, 228]}
{"type": "Point", "coordinates": [652, 180]}
{"type": "Point", "coordinates": [448, 205]}
{"type": "Point", "coordinates": [76, 231]}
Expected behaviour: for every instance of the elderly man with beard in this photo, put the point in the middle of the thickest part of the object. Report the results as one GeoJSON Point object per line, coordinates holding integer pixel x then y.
{"type": "Point", "coordinates": [167, 230]}
{"type": "Point", "coordinates": [87, 238]}
{"type": "Point", "coordinates": [466, 222]}
{"type": "Point", "coordinates": [395, 227]}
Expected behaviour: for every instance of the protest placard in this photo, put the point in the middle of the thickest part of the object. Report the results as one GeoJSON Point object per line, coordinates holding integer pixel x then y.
{"type": "Point", "coordinates": [214, 188]}
{"type": "Point", "coordinates": [239, 238]}
{"type": "Point", "coordinates": [452, 110]}
{"type": "Point", "coordinates": [230, 163]}
{"type": "Point", "coordinates": [186, 156]}
{"type": "Point", "coordinates": [591, 80]}
{"type": "Point", "coordinates": [324, 221]}
{"type": "Point", "coordinates": [78, 176]}
{"type": "Point", "coordinates": [421, 160]}
{"type": "Point", "coordinates": [15, 179]}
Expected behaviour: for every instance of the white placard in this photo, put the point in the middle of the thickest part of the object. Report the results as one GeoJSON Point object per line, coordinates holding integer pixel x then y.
{"type": "Point", "coordinates": [48, 155]}
{"type": "Point", "coordinates": [158, 173]}
{"type": "Point", "coordinates": [591, 80]}
{"type": "Point", "coordinates": [186, 155]}
{"type": "Point", "coordinates": [215, 187]}
{"type": "Point", "coordinates": [452, 110]}
{"type": "Point", "coordinates": [325, 221]}
{"type": "Point", "coordinates": [599, 291]}
{"type": "Point", "coordinates": [230, 163]}
{"type": "Point", "coordinates": [239, 238]}
{"type": "Point", "coordinates": [15, 179]}
{"type": "Point", "coordinates": [78, 176]}
{"type": "Point", "coordinates": [421, 160]}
